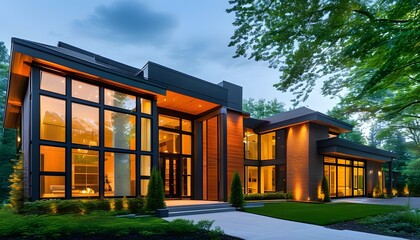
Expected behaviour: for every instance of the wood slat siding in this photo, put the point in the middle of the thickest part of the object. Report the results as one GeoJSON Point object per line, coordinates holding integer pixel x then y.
{"type": "Point", "coordinates": [212, 160]}
{"type": "Point", "coordinates": [235, 147]}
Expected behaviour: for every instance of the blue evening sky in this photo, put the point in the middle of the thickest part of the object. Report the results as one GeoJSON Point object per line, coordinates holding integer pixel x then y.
{"type": "Point", "coordinates": [188, 35]}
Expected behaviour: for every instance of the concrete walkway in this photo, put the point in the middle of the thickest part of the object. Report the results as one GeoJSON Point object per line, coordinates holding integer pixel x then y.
{"type": "Point", "coordinates": [414, 202]}
{"type": "Point", "coordinates": [252, 226]}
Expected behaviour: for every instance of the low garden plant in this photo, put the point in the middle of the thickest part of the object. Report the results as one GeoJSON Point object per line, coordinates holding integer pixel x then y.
{"type": "Point", "coordinates": [268, 196]}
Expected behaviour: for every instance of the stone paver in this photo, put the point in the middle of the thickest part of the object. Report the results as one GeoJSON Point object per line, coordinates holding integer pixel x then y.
{"type": "Point", "coordinates": [251, 226]}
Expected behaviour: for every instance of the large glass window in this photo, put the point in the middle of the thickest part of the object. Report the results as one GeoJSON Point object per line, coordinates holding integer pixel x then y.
{"type": "Point", "coordinates": [169, 142]}
{"type": "Point", "coordinates": [251, 174]}
{"type": "Point", "coordinates": [53, 83]}
{"type": "Point", "coordinates": [145, 164]}
{"type": "Point", "coordinates": [146, 106]}
{"type": "Point", "coordinates": [169, 122]}
{"type": "Point", "coordinates": [120, 174]}
{"type": "Point", "coordinates": [186, 144]}
{"type": "Point", "coordinates": [120, 130]}
{"type": "Point", "coordinates": [146, 134]}
{"type": "Point", "coordinates": [52, 159]}
{"type": "Point", "coordinates": [52, 186]}
{"type": "Point", "coordinates": [120, 100]}
{"type": "Point", "coordinates": [186, 176]}
{"type": "Point", "coordinates": [85, 91]}
{"type": "Point", "coordinates": [85, 124]}
{"type": "Point", "coordinates": [251, 144]}
{"type": "Point", "coordinates": [268, 179]}
{"type": "Point", "coordinates": [268, 146]}
{"type": "Point", "coordinates": [85, 174]}
{"type": "Point", "coordinates": [53, 119]}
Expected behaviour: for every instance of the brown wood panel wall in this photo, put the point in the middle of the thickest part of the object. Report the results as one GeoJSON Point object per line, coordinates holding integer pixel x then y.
{"type": "Point", "coordinates": [212, 159]}
{"type": "Point", "coordinates": [235, 147]}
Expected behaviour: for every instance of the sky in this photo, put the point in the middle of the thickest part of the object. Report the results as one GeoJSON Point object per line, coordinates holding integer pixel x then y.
{"type": "Point", "coordinates": [187, 35]}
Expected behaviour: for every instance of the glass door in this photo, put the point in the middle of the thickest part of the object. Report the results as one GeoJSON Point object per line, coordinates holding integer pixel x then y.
{"type": "Point", "coordinates": [170, 175]}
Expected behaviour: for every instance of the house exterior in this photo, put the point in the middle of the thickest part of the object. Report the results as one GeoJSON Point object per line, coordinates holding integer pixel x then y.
{"type": "Point", "coordinates": [89, 126]}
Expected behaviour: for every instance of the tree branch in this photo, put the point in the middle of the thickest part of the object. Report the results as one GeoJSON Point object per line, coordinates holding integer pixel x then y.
{"type": "Point", "coordinates": [373, 18]}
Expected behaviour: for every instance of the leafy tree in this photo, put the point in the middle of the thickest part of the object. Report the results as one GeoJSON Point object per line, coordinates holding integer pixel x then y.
{"type": "Point", "coordinates": [356, 135]}
{"type": "Point", "coordinates": [7, 136]}
{"type": "Point", "coordinates": [236, 197]}
{"type": "Point", "coordinates": [262, 108]}
{"type": "Point", "coordinates": [155, 198]}
{"type": "Point", "coordinates": [369, 48]}
{"type": "Point", "coordinates": [412, 172]}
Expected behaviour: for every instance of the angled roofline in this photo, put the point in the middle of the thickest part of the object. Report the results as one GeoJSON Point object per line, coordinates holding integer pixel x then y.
{"type": "Point", "coordinates": [185, 84]}
{"type": "Point", "coordinates": [47, 53]}
{"type": "Point", "coordinates": [281, 120]}
{"type": "Point", "coordinates": [341, 147]}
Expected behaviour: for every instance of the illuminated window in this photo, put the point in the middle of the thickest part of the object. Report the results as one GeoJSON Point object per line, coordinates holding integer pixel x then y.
{"type": "Point", "coordinates": [52, 159]}
{"type": "Point", "coordinates": [120, 100]}
{"type": "Point", "coordinates": [53, 83]}
{"type": "Point", "coordinates": [120, 130]}
{"type": "Point", "coordinates": [146, 106]}
{"type": "Point", "coordinates": [168, 122]}
{"type": "Point", "coordinates": [53, 119]}
{"type": "Point", "coordinates": [145, 163]}
{"type": "Point", "coordinates": [251, 174]}
{"type": "Point", "coordinates": [268, 146]}
{"type": "Point", "coordinates": [251, 144]}
{"type": "Point", "coordinates": [52, 186]}
{"type": "Point", "coordinates": [146, 134]}
{"type": "Point", "coordinates": [169, 142]}
{"type": "Point", "coordinates": [268, 179]}
{"type": "Point", "coordinates": [186, 144]}
{"type": "Point", "coordinates": [85, 174]}
{"type": "Point", "coordinates": [85, 91]}
{"type": "Point", "coordinates": [186, 176]}
{"type": "Point", "coordinates": [186, 125]}
{"type": "Point", "coordinates": [85, 124]}
{"type": "Point", "coordinates": [120, 174]}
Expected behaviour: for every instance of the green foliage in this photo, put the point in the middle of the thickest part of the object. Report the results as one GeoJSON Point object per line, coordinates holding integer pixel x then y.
{"type": "Point", "coordinates": [267, 196]}
{"type": "Point", "coordinates": [236, 197]}
{"type": "Point", "coordinates": [412, 172]}
{"type": "Point", "coordinates": [96, 225]}
{"type": "Point", "coordinates": [369, 48]}
{"type": "Point", "coordinates": [262, 108]}
{"type": "Point", "coordinates": [325, 190]}
{"type": "Point", "coordinates": [155, 198]}
{"type": "Point", "coordinates": [340, 113]}
{"type": "Point", "coordinates": [321, 214]}
{"type": "Point", "coordinates": [16, 188]}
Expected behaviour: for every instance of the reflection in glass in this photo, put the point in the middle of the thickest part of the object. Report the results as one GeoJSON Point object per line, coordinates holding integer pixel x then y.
{"type": "Point", "coordinates": [52, 186]}
{"type": "Point", "coordinates": [85, 91]}
{"type": "Point", "coordinates": [85, 173]}
{"type": "Point", "coordinates": [268, 146]}
{"type": "Point", "coordinates": [169, 122]}
{"type": "Point", "coordinates": [145, 163]}
{"type": "Point", "coordinates": [169, 142]}
{"type": "Point", "coordinates": [251, 174]}
{"type": "Point", "coordinates": [146, 106]}
{"type": "Point", "coordinates": [120, 130]}
{"type": "Point", "coordinates": [53, 118]}
{"type": "Point", "coordinates": [85, 124]}
{"type": "Point", "coordinates": [251, 144]}
{"type": "Point", "coordinates": [146, 134]}
{"type": "Point", "coordinates": [52, 159]}
{"type": "Point", "coordinates": [268, 179]}
{"type": "Point", "coordinates": [120, 174]}
{"type": "Point", "coordinates": [53, 83]}
{"type": "Point", "coordinates": [120, 100]}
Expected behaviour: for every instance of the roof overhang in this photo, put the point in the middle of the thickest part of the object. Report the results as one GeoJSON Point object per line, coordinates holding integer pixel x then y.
{"type": "Point", "coordinates": [24, 54]}
{"type": "Point", "coordinates": [343, 148]}
{"type": "Point", "coordinates": [334, 125]}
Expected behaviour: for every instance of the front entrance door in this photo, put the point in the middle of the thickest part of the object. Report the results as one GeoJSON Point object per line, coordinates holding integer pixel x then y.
{"type": "Point", "coordinates": [171, 178]}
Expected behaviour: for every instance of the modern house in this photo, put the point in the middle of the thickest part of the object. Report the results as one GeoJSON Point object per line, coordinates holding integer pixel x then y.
{"type": "Point", "coordinates": [89, 126]}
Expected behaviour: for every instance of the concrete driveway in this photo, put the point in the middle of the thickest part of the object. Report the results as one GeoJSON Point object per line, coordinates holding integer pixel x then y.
{"type": "Point", "coordinates": [251, 226]}
{"type": "Point", "coordinates": [414, 202]}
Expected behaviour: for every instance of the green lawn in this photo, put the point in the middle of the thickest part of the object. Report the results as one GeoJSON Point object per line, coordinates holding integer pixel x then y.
{"type": "Point", "coordinates": [95, 225]}
{"type": "Point", "coordinates": [321, 214]}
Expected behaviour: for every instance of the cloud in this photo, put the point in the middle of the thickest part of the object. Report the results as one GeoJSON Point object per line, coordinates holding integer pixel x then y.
{"type": "Point", "coordinates": [127, 21]}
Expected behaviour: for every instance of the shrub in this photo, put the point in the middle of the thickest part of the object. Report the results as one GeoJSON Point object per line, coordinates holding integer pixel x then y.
{"type": "Point", "coordinates": [136, 205]}
{"type": "Point", "coordinates": [155, 198]}
{"type": "Point", "coordinates": [412, 172]}
{"type": "Point", "coordinates": [236, 195]}
{"type": "Point", "coordinates": [377, 192]}
{"type": "Point", "coordinates": [325, 190]}
{"type": "Point", "coordinates": [268, 196]}
{"type": "Point", "coordinates": [16, 179]}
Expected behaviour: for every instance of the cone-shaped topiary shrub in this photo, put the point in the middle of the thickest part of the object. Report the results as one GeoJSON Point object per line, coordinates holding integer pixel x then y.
{"type": "Point", "coordinates": [155, 198]}
{"type": "Point", "coordinates": [236, 195]}
{"type": "Point", "coordinates": [325, 190]}
{"type": "Point", "coordinates": [16, 187]}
